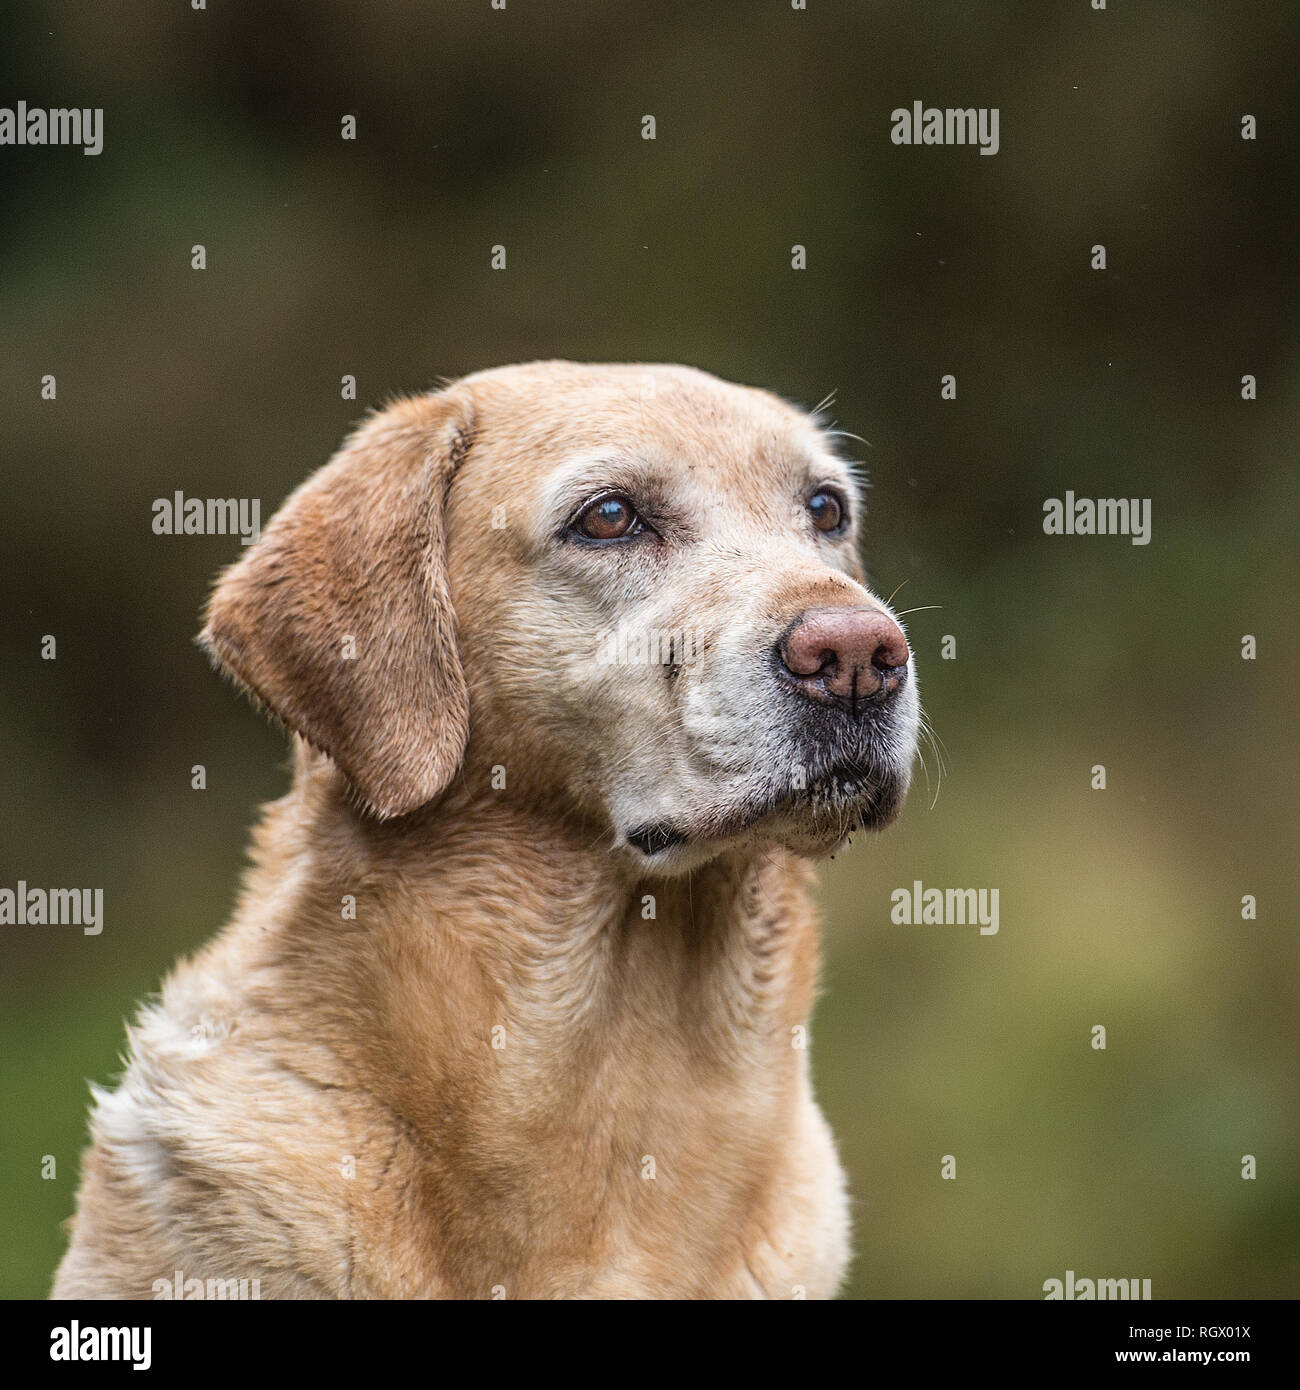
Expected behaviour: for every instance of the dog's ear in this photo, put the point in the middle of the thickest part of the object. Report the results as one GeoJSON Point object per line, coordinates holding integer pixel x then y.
{"type": "Point", "coordinates": [339, 618]}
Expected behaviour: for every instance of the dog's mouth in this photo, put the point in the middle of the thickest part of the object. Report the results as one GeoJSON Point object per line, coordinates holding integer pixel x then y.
{"type": "Point", "coordinates": [656, 837]}
{"type": "Point", "coordinates": [812, 814]}
{"type": "Point", "coordinates": [842, 799]}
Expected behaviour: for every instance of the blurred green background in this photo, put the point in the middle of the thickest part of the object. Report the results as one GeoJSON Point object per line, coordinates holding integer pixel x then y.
{"type": "Point", "coordinates": [476, 127]}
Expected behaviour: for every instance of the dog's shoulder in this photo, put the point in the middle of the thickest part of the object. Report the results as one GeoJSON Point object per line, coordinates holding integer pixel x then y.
{"type": "Point", "coordinates": [224, 1150]}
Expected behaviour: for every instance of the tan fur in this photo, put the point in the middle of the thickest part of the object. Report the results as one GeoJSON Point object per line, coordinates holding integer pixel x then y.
{"type": "Point", "coordinates": [321, 1103]}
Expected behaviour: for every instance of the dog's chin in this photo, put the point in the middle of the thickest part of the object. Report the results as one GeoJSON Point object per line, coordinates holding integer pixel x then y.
{"type": "Point", "coordinates": [819, 821]}
{"type": "Point", "coordinates": [812, 821]}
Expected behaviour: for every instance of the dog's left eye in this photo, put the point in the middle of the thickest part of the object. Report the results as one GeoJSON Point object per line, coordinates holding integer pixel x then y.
{"type": "Point", "coordinates": [608, 518]}
{"type": "Point", "coordinates": [827, 510]}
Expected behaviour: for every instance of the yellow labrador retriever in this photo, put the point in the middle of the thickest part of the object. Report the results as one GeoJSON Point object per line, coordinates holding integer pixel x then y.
{"type": "Point", "coordinates": [581, 673]}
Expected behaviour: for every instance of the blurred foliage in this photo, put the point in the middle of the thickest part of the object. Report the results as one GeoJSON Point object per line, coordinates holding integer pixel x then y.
{"type": "Point", "coordinates": [523, 127]}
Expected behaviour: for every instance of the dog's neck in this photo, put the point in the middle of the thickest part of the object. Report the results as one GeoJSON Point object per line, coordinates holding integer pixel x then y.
{"type": "Point", "coordinates": [558, 927]}
{"type": "Point", "coordinates": [535, 1008]}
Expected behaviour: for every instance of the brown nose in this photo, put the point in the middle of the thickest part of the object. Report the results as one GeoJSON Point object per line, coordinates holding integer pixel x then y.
{"type": "Point", "coordinates": [845, 656]}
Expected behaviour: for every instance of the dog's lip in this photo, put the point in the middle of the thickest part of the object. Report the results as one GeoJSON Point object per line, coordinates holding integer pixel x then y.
{"type": "Point", "coordinates": [852, 785]}
{"type": "Point", "coordinates": [655, 837]}
{"type": "Point", "coordinates": [837, 789]}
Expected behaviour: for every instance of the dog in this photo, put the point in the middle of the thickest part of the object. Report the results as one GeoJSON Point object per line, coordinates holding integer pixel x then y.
{"type": "Point", "coordinates": [581, 674]}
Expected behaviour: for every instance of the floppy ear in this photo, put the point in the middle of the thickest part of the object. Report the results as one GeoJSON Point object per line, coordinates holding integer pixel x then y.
{"type": "Point", "coordinates": [339, 618]}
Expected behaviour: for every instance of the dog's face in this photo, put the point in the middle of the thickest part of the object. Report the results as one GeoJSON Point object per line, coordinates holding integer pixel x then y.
{"type": "Point", "coordinates": [633, 591]}
{"type": "Point", "coordinates": [659, 611]}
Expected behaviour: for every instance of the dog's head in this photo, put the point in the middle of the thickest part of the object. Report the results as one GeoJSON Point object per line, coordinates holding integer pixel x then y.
{"type": "Point", "coordinates": [631, 594]}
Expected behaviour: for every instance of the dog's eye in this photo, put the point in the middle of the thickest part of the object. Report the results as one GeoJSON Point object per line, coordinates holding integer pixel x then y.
{"type": "Point", "coordinates": [608, 518]}
{"type": "Point", "coordinates": [827, 510]}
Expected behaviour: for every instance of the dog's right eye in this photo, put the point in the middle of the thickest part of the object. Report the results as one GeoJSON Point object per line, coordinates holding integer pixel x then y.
{"type": "Point", "coordinates": [608, 518]}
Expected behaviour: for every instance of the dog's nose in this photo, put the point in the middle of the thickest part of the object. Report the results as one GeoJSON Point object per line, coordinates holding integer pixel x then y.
{"type": "Point", "coordinates": [845, 656]}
